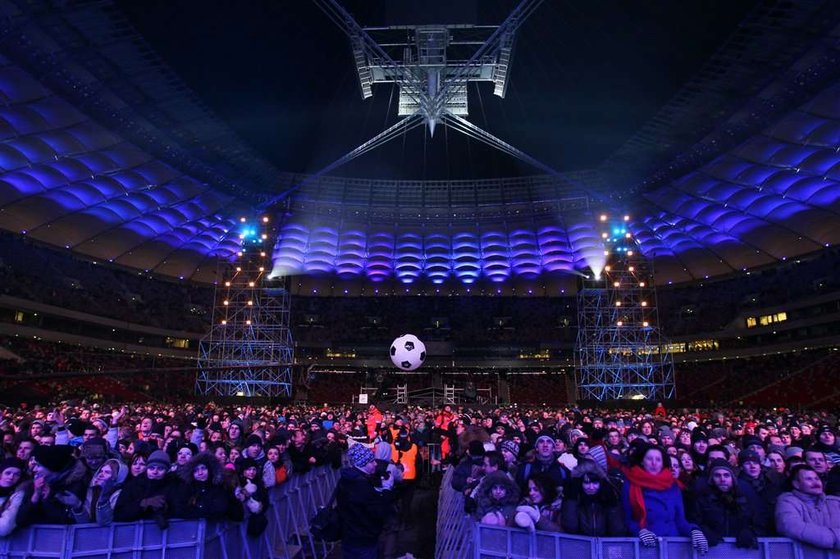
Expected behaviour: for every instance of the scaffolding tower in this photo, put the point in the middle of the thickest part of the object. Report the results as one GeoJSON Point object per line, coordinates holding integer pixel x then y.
{"type": "Point", "coordinates": [248, 351]}
{"type": "Point", "coordinates": [621, 353]}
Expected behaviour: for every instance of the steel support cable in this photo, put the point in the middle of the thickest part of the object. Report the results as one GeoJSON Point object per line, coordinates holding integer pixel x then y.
{"type": "Point", "coordinates": [470, 134]}
{"type": "Point", "coordinates": [404, 125]}
{"type": "Point", "coordinates": [467, 127]}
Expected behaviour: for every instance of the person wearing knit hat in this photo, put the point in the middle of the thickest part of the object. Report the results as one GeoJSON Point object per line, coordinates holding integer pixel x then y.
{"type": "Point", "coordinates": [54, 458]}
{"type": "Point", "coordinates": [147, 496]}
{"type": "Point", "coordinates": [792, 451]}
{"type": "Point", "coordinates": [763, 486]}
{"type": "Point", "coordinates": [361, 457]}
{"type": "Point", "coordinates": [544, 462]}
{"type": "Point", "coordinates": [719, 463]}
{"type": "Point", "coordinates": [59, 485]}
{"type": "Point", "coordinates": [722, 510]}
{"type": "Point", "coordinates": [750, 456]}
{"type": "Point", "coordinates": [160, 458]}
{"type": "Point", "coordinates": [12, 490]}
{"type": "Point", "coordinates": [512, 448]}
{"type": "Point", "coordinates": [665, 436]}
{"type": "Point", "coordinates": [364, 503]}
{"type": "Point", "coordinates": [828, 444]}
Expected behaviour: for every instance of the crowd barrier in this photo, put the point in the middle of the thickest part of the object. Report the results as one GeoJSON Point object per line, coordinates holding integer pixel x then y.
{"type": "Point", "coordinates": [459, 537]}
{"type": "Point", "coordinates": [287, 535]}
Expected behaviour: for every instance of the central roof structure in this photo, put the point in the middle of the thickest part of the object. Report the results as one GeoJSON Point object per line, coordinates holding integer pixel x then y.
{"type": "Point", "coordinates": [106, 151]}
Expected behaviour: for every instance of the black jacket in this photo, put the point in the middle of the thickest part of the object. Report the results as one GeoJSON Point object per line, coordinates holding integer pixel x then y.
{"type": "Point", "coordinates": [207, 500]}
{"type": "Point", "coordinates": [128, 508]}
{"type": "Point", "coordinates": [722, 515]}
{"type": "Point", "coordinates": [762, 493]}
{"type": "Point", "coordinates": [598, 515]}
{"type": "Point", "coordinates": [50, 510]}
{"type": "Point", "coordinates": [464, 470]}
{"type": "Point", "coordinates": [363, 510]}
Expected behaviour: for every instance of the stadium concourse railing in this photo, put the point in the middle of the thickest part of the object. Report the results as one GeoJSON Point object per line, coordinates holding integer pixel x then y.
{"type": "Point", "coordinates": [460, 537]}
{"type": "Point", "coordinates": [287, 536]}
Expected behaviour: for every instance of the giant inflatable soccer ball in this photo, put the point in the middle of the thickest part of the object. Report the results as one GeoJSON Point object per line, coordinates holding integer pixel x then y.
{"type": "Point", "coordinates": [407, 352]}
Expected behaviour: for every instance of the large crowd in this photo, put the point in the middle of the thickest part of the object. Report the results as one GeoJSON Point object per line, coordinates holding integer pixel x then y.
{"type": "Point", "coordinates": [704, 474]}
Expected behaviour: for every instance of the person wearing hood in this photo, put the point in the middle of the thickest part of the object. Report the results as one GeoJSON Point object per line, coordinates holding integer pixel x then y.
{"type": "Point", "coordinates": [382, 452]}
{"type": "Point", "coordinates": [590, 505]}
{"type": "Point", "coordinates": [103, 493]}
{"type": "Point", "coordinates": [363, 507]}
{"type": "Point", "coordinates": [203, 493]}
{"type": "Point", "coordinates": [57, 488]}
{"type": "Point", "coordinates": [496, 499]}
{"type": "Point", "coordinates": [12, 492]}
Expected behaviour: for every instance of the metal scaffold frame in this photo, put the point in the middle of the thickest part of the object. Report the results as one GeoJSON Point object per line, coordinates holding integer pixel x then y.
{"type": "Point", "coordinates": [621, 353]}
{"type": "Point", "coordinates": [248, 351]}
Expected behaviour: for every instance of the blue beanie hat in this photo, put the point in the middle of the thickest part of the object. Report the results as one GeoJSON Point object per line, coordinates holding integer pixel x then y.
{"type": "Point", "coordinates": [360, 455]}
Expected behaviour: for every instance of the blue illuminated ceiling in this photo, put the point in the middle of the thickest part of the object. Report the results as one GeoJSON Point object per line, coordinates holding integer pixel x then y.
{"type": "Point", "coordinates": [119, 162]}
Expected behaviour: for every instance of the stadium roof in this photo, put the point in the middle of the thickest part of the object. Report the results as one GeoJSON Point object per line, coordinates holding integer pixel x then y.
{"type": "Point", "coordinates": [716, 130]}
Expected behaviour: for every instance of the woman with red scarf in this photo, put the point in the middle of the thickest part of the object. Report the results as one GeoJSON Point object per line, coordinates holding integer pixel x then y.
{"type": "Point", "coordinates": [653, 505]}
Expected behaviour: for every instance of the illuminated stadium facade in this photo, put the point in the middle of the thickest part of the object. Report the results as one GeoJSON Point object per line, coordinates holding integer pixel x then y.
{"type": "Point", "coordinates": [100, 159]}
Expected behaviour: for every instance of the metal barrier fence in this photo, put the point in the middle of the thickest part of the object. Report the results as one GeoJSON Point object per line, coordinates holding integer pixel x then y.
{"type": "Point", "coordinates": [287, 535]}
{"type": "Point", "coordinates": [460, 537]}
{"type": "Point", "coordinates": [454, 527]}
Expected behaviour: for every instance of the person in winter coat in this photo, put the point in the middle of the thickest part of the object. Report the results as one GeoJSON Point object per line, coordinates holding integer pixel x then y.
{"type": "Point", "coordinates": [763, 487]}
{"type": "Point", "coordinates": [364, 504]}
{"type": "Point", "coordinates": [807, 514]}
{"type": "Point", "coordinates": [12, 491]}
{"type": "Point", "coordinates": [544, 461]}
{"type": "Point", "coordinates": [827, 442]}
{"type": "Point", "coordinates": [652, 502]}
{"type": "Point", "coordinates": [250, 490]}
{"type": "Point", "coordinates": [722, 510]}
{"type": "Point", "coordinates": [57, 488]}
{"type": "Point", "coordinates": [496, 499]}
{"type": "Point", "coordinates": [590, 504]}
{"type": "Point", "coordinates": [469, 470]}
{"type": "Point", "coordinates": [541, 508]}
{"type": "Point", "coordinates": [278, 466]}
{"type": "Point", "coordinates": [149, 495]}
{"type": "Point", "coordinates": [102, 493]}
{"type": "Point", "coordinates": [203, 493]}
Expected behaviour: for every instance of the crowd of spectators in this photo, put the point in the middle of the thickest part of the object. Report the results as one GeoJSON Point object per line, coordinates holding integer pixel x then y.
{"type": "Point", "coordinates": [701, 473]}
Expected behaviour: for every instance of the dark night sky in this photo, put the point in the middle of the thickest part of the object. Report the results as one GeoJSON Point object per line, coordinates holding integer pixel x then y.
{"type": "Point", "coordinates": [586, 75]}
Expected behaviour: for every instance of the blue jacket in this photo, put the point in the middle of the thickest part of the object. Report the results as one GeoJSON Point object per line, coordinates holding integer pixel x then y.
{"type": "Point", "coordinates": [665, 512]}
